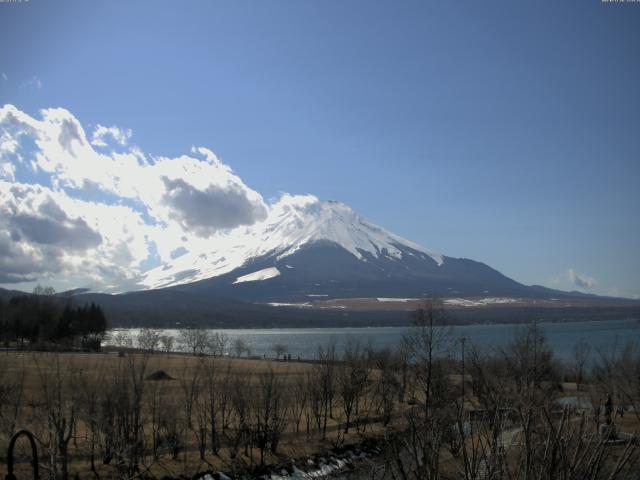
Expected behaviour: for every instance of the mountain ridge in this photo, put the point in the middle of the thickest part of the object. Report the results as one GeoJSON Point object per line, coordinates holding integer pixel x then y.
{"type": "Point", "coordinates": [292, 223]}
{"type": "Point", "coordinates": [320, 263]}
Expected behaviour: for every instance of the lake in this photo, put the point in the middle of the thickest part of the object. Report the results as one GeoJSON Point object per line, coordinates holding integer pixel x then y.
{"type": "Point", "coordinates": [304, 342]}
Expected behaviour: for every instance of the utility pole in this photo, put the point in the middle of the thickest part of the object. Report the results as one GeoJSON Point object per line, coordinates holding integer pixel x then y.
{"type": "Point", "coordinates": [462, 341]}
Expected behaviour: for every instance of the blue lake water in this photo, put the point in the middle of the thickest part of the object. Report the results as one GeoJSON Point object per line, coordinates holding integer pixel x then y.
{"type": "Point", "coordinates": [304, 342]}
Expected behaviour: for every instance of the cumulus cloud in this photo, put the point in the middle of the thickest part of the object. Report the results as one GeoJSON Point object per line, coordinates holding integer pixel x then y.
{"type": "Point", "coordinates": [61, 237]}
{"type": "Point", "coordinates": [206, 211]}
{"type": "Point", "coordinates": [69, 133]}
{"type": "Point", "coordinates": [48, 235]}
{"type": "Point", "coordinates": [18, 264]}
{"type": "Point", "coordinates": [580, 280]}
{"type": "Point", "coordinates": [52, 226]}
{"type": "Point", "coordinates": [8, 147]}
{"type": "Point", "coordinates": [98, 211]}
{"type": "Point", "coordinates": [202, 195]}
{"type": "Point", "coordinates": [57, 145]}
{"type": "Point", "coordinates": [101, 136]}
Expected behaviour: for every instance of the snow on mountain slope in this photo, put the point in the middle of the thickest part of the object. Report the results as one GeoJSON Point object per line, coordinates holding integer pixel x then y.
{"type": "Point", "coordinates": [292, 223]}
{"type": "Point", "coordinates": [264, 274]}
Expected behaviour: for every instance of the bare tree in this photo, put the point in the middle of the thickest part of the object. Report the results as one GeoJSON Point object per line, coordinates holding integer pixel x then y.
{"type": "Point", "coordinates": [353, 376]}
{"type": "Point", "coordinates": [240, 432]}
{"type": "Point", "coordinates": [166, 343]}
{"type": "Point", "coordinates": [616, 372]}
{"type": "Point", "coordinates": [387, 385]}
{"type": "Point", "coordinates": [326, 378]}
{"type": "Point", "coordinates": [200, 408]}
{"type": "Point", "coordinates": [298, 400]}
{"type": "Point", "coordinates": [225, 382]}
{"type": "Point", "coordinates": [194, 404]}
{"type": "Point", "coordinates": [122, 415]}
{"type": "Point", "coordinates": [190, 387]}
{"type": "Point", "coordinates": [158, 408]}
{"type": "Point", "coordinates": [217, 344]}
{"type": "Point", "coordinates": [122, 339]}
{"type": "Point", "coordinates": [315, 395]}
{"type": "Point", "coordinates": [148, 339]}
{"type": "Point", "coordinates": [89, 399]}
{"type": "Point", "coordinates": [279, 349]}
{"type": "Point", "coordinates": [268, 413]}
{"type": "Point", "coordinates": [197, 340]}
{"type": "Point", "coordinates": [554, 447]}
{"type": "Point", "coordinates": [240, 346]}
{"type": "Point", "coordinates": [627, 375]}
{"type": "Point", "coordinates": [172, 428]}
{"type": "Point", "coordinates": [214, 395]}
{"type": "Point", "coordinates": [581, 352]}
{"type": "Point", "coordinates": [11, 395]}
{"type": "Point", "coordinates": [428, 342]}
{"type": "Point", "coordinates": [529, 361]}
{"type": "Point", "coordinates": [417, 453]}
{"type": "Point", "coordinates": [59, 406]}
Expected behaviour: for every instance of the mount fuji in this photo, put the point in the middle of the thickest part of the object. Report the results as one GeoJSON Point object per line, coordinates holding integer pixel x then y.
{"type": "Point", "coordinates": [307, 248]}
{"type": "Point", "coordinates": [319, 263]}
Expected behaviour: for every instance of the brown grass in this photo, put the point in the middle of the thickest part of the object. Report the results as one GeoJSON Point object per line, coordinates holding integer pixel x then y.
{"type": "Point", "coordinates": [96, 369]}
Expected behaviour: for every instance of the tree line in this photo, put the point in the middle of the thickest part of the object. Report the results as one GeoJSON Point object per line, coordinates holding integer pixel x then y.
{"type": "Point", "coordinates": [43, 320]}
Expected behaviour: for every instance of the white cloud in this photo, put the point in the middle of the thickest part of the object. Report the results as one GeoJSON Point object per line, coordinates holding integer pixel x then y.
{"type": "Point", "coordinates": [49, 234]}
{"type": "Point", "coordinates": [204, 195]}
{"type": "Point", "coordinates": [580, 280]}
{"type": "Point", "coordinates": [33, 82]}
{"type": "Point", "coordinates": [5, 77]}
{"type": "Point", "coordinates": [96, 214]}
{"type": "Point", "coordinates": [101, 135]}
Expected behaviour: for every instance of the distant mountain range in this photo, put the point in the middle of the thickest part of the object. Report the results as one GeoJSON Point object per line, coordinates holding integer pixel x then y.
{"type": "Point", "coordinates": [300, 265]}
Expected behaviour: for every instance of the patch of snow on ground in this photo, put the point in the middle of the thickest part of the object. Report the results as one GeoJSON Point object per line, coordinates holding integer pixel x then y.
{"type": "Point", "coordinates": [461, 302]}
{"type": "Point", "coordinates": [384, 299]}
{"type": "Point", "coordinates": [278, 304]}
{"type": "Point", "coordinates": [490, 300]}
{"type": "Point", "coordinates": [264, 274]}
{"type": "Point", "coordinates": [478, 302]}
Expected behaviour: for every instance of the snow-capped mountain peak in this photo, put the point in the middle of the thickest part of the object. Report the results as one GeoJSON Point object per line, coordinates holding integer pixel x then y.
{"type": "Point", "coordinates": [295, 221]}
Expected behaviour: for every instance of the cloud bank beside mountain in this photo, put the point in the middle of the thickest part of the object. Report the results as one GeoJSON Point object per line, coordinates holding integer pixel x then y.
{"type": "Point", "coordinates": [82, 208]}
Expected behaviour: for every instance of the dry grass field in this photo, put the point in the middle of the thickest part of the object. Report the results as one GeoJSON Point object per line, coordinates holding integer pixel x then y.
{"type": "Point", "coordinates": [174, 413]}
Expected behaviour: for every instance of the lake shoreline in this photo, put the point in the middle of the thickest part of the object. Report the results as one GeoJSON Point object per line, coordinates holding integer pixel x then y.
{"type": "Point", "coordinates": [407, 324]}
{"type": "Point", "coordinates": [303, 343]}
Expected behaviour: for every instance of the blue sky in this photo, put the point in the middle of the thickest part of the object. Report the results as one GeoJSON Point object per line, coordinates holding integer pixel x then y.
{"type": "Point", "coordinates": [507, 132]}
